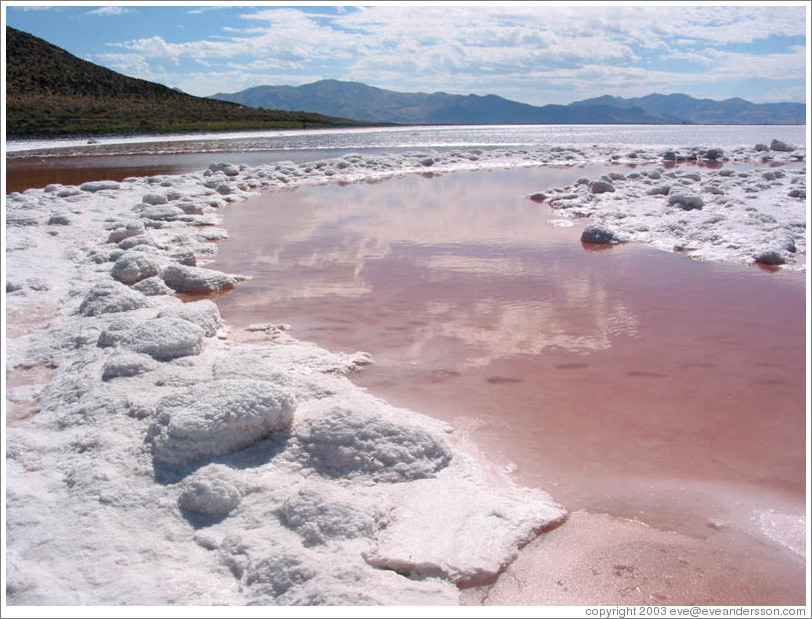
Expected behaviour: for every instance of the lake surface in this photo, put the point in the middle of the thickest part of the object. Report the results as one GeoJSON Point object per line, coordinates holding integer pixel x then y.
{"type": "Point", "coordinates": [594, 373]}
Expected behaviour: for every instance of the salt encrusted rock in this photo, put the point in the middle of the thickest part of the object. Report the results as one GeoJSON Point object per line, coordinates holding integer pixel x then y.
{"type": "Point", "coordinates": [162, 212]}
{"type": "Point", "coordinates": [153, 287]}
{"type": "Point", "coordinates": [191, 208]}
{"type": "Point", "coordinates": [713, 189]}
{"type": "Point", "coordinates": [185, 257]}
{"type": "Point", "coordinates": [59, 220]}
{"type": "Point", "coordinates": [761, 147]}
{"type": "Point", "coordinates": [772, 175]}
{"type": "Point", "coordinates": [599, 235]}
{"type": "Point", "coordinates": [140, 240]}
{"type": "Point", "coordinates": [195, 279]}
{"type": "Point", "coordinates": [164, 338]}
{"type": "Point", "coordinates": [538, 197]}
{"type": "Point", "coordinates": [685, 201]}
{"type": "Point", "coordinates": [109, 297]}
{"type": "Point", "coordinates": [131, 229]}
{"type": "Point", "coordinates": [204, 313]}
{"type": "Point", "coordinates": [94, 186]}
{"type": "Point", "coordinates": [344, 443]}
{"type": "Point", "coordinates": [67, 192]}
{"type": "Point", "coordinates": [223, 189]}
{"type": "Point", "coordinates": [154, 198]}
{"type": "Point", "coordinates": [275, 575]}
{"type": "Point", "coordinates": [217, 418]}
{"type": "Point", "coordinates": [133, 266]}
{"type": "Point", "coordinates": [782, 147]}
{"type": "Point", "coordinates": [115, 331]}
{"type": "Point", "coordinates": [601, 187]}
{"type": "Point", "coordinates": [229, 169]}
{"type": "Point", "coordinates": [208, 492]}
{"type": "Point", "coordinates": [713, 154]}
{"type": "Point", "coordinates": [439, 531]}
{"type": "Point", "coordinates": [797, 193]}
{"type": "Point", "coordinates": [212, 234]}
{"type": "Point", "coordinates": [770, 257]}
{"type": "Point", "coordinates": [127, 363]}
{"type": "Point", "coordinates": [319, 520]}
{"type": "Point", "coordinates": [659, 190]}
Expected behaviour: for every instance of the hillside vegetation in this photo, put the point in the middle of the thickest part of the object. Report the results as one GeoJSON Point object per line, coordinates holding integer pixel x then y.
{"type": "Point", "coordinates": [51, 93]}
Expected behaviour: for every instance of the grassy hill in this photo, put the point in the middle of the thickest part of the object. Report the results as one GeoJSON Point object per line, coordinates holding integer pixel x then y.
{"type": "Point", "coordinates": [51, 93]}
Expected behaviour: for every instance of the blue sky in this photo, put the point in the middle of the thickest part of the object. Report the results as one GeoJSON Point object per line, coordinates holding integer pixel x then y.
{"type": "Point", "coordinates": [532, 52]}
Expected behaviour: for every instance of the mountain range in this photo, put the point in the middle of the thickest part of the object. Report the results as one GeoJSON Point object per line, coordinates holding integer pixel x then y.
{"type": "Point", "coordinates": [363, 102]}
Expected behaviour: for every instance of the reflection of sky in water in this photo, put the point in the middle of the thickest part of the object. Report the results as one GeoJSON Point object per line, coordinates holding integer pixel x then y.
{"type": "Point", "coordinates": [463, 262]}
{"type": "Point", "coordinates": [580, 316]}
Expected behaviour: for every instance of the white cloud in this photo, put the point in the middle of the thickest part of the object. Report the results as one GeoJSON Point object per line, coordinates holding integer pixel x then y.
{"type": "Point", "coordinates": [475, 48]}
{"type": "Point", "coordinates": [111, 10]}
{"type": "Point", "coordinates": [37, 7]}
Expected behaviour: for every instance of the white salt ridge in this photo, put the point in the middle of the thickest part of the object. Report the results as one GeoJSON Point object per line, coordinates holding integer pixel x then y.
{"type": "Point", "coordinates": [753, 215]}
{"type": "Point", "coordinates": [171, 461]}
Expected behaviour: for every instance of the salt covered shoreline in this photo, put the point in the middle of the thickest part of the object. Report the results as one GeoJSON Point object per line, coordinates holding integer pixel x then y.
{"type": "Point", "coordinates": [155, 456]}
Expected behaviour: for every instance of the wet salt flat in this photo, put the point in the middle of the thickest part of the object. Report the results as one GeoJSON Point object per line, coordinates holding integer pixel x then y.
{"type": "Point", "coordinates": [239, 461]}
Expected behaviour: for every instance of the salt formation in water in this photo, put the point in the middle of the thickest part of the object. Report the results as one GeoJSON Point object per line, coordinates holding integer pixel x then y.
{"type": "Point", "coordinates": [167, 460]}
{"type": "Point", "coordinates": [747, 215]}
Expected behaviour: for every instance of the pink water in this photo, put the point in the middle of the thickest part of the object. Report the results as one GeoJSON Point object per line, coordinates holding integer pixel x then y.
{"type": "Point", "coordinates": [629, 382]}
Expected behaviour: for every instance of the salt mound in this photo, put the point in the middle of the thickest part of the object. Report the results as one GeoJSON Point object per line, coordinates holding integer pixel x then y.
{"type": "Point", "coordinates": [110, 297]}
{"type": "Point", "coordinates": [599, 235]}
{"type": "Point", "coordinates": [94, 186]}
{"type": "Point", "coordinates": [132, 267]}
{"type": "Point", "coordinates": [162, 212]}
{"type": "Point", "coordinates": [209, 492]}
{"type": "Point", "coordinates": [126, 363]}
{"type": "Point", "coordinates": [195, 279]}
{"type": "Point", "coordinates": [130, 229]}
{"type": "Point", "coordinates": [345, 443]}
{"type": "Point", "coordinates": [216, 419]}
{"type": "Point", "coordinates": [318, 519]}
{"type": "Point", "coordinates": [153, 287]}
{"type": "Point", "coordinates": [164, 338]}
{"type": "Point", "coordinates": [204, 313]}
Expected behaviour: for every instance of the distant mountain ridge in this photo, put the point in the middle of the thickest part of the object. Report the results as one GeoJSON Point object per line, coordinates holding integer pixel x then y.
{"type": "Point", "coordinates": [368, 103]}
{"type": "Point", "coordinates": [735, 111]}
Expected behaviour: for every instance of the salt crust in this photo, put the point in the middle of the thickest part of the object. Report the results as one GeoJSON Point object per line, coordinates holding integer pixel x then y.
{"type": "Point", "coordinates": [756, 215]}
{"type": "Point", "coordinates": [171, 463]}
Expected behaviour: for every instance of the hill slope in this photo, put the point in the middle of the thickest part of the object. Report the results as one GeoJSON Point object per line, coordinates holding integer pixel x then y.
{"type": "Point", "coordinates": [50, 92]}
{"type": "Point", "coordinates": [357, 100]}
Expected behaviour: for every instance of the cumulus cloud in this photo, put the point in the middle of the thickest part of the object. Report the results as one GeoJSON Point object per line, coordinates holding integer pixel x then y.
{"type": "Point", "coordinates": [460, 48]}
{"type": "Point", "coordinates": [112, 10]}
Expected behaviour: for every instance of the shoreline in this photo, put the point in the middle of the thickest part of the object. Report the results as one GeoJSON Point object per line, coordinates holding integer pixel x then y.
{"type": "Point", "coordinates": [79, 437]}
